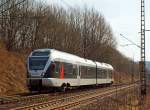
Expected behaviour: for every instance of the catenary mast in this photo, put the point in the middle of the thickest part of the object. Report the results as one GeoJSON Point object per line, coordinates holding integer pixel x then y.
{"type": "Point", "coordinates": [142, 62]}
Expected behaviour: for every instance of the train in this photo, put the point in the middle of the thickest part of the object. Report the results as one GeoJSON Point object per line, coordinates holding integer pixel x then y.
{"type": "Point", "coordinates": [50, 68]}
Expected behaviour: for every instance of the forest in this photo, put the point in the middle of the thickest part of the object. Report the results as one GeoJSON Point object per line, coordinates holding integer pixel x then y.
{"type": "Point", "coordinates": [26, 25]}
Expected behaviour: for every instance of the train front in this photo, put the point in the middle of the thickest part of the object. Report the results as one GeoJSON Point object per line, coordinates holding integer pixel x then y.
{"type": "Point", "coordinates": [37, 64]}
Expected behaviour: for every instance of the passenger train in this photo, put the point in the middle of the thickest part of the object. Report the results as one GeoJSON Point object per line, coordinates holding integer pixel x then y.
{"type": "Point", "coordinates": [50, 68]}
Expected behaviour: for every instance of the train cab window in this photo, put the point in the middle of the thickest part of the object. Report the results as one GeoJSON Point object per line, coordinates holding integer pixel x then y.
{"type": "Point", "coordinates": [37, 63]}
{"type": "Point", "coordinates": [39, 53]}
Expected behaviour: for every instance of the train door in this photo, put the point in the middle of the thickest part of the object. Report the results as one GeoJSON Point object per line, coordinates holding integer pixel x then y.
{"type": "Point", "coordinates": [78, 75]}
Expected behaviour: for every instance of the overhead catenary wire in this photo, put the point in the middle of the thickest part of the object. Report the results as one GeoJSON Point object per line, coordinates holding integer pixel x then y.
{"type": "Point", "coordinates": [130, 41]}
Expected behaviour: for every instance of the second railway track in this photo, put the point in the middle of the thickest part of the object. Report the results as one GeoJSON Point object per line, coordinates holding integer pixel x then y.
{"type": "Point", "coordinates": [71, 100]}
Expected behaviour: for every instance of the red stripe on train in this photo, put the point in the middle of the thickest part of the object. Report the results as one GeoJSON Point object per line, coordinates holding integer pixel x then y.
{"type": "Point", "coordinates": [62, 72]}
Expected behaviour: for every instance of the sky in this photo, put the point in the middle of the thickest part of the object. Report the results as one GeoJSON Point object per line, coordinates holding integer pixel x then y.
{"type": "Point", "coordinates": [124, 18]}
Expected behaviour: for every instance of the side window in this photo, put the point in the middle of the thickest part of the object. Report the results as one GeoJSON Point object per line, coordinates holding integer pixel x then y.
{"type": "Point", "coordinates": [88, 72]}
{"type": "Point", "coordinates": [70, 70]}
{"type": "Point", "coordinates": [100, 73]}
{"type": "Point", "coordinates": [55, 73]}
{"type": "Point", "coordinates": [57, 67]}
{"type": "Point", "coordinates": [109, 74]}
{"type": "Point", "coordinates": [75, 70]}
{"type": "Point", "coordinates": [104, 73]}
{"type": "Point", "coordinates": [83, 71]}
{"type": "Point", "coordinates": [91, 72]}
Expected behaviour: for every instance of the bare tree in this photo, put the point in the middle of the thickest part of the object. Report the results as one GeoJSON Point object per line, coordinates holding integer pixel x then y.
{"type": "Point", "coordinates": [27, 24]}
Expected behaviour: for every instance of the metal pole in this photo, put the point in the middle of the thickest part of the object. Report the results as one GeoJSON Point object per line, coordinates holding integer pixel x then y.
{"type": "Point", "coordinates": [142, 62]}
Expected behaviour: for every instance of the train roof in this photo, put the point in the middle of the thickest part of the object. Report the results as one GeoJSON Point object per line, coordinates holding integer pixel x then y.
{"type": "Point", "coordinates": [70, 58]}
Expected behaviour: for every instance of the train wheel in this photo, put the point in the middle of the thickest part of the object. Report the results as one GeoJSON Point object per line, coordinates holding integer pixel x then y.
{"type": "Point", "coordinates": [63, 87]}
{"type": "Point", "coordinates": [68, 86]}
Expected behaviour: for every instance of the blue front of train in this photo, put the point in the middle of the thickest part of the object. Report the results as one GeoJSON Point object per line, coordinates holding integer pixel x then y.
{"type": "Point", "coordinates": [38, 66]}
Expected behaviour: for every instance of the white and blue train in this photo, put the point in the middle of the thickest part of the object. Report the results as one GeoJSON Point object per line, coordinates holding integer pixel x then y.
{"type": "Point", "coordinates": [50, 68]}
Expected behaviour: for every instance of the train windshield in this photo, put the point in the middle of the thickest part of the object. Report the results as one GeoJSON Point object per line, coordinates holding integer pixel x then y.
{"type": "Point", "coordinates": [37, 63]}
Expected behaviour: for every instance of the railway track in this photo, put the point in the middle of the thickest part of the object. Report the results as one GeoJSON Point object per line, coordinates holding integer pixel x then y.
{"type": "Point", "coordinates": [6, 100]}
{"type": "Point", "coordinates": [17, 100]}
{"type": "Point", "coordinates": [70, 100]}
{"type": "Point", "coordinates": [20, 98]}
{"type": "Point", "coordinates": [33, 96]}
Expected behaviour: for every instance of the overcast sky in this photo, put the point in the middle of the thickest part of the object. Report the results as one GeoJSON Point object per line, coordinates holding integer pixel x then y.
{"type": "Point", "coordinates": [124, 18]}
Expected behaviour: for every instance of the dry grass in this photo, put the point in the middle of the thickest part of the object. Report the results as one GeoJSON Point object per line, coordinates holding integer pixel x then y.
{"type": "Point", "coordinates": [2, 44]}
{"type": "Point", "coordinates": [147, 98]}
{"type": "Point", "coordinates": [12, 73]}
{"type": "Point", "coordinates": [122, 77]}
